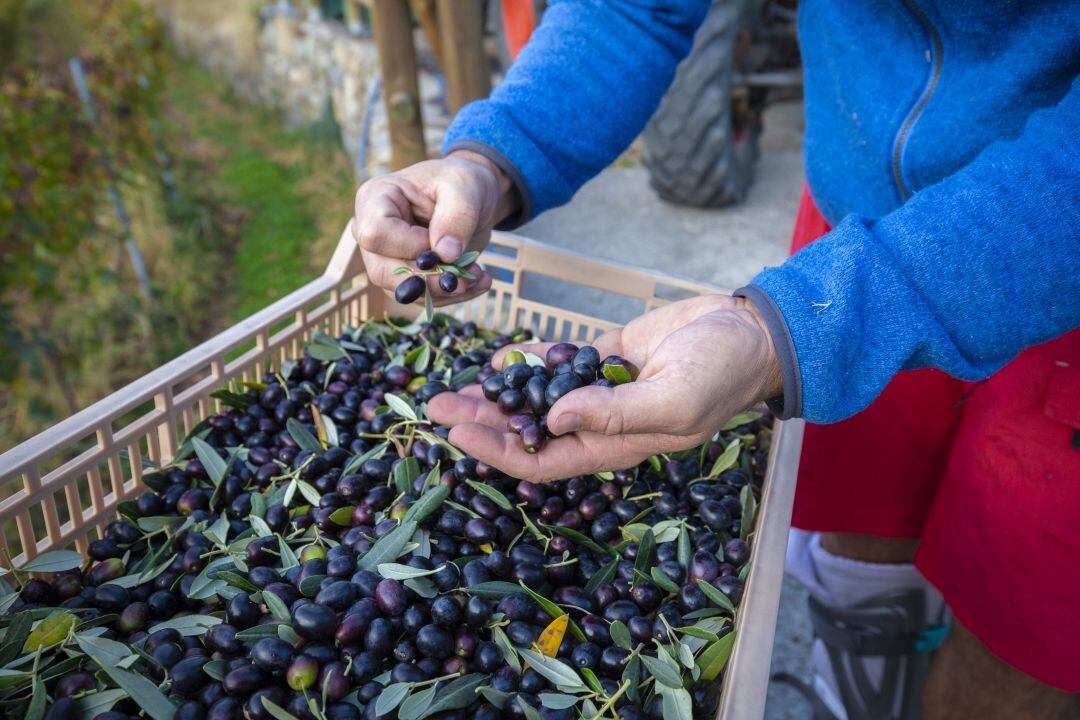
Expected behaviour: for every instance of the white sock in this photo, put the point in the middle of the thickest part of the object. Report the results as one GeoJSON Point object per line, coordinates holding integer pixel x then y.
{"type": "Point", "coordinates": [842, 582]}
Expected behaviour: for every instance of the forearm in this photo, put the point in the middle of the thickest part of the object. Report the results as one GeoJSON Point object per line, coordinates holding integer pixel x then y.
{"type": "Point", "coordinates": [580, 92]}
{"type": "Point", "coordinates": [962, 277]}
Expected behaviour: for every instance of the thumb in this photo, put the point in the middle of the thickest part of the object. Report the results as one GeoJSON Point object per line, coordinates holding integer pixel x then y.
{"type": "Point", "coordinates": [454, 220]}
{"type": "Point", "coordinates": [635, 407]}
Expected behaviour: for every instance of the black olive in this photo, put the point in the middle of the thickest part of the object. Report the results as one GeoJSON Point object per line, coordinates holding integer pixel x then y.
{"type": "Point", "coordinates": [410, 290]}
{"type": "Point", "coordinates": [188, 676]}
{"type": "Point", "coordinates": [314, 621]}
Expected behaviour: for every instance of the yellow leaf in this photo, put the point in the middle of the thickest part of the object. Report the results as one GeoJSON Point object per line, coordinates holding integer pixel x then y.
{"type": "Point", "coordinates": [551, 639]}
{"type": "Point", "coordinates": [50, 631]}
{"type": "Point", "coordinates": [320, 430]}
{"type": "Point", "coordinates": [486, 547]}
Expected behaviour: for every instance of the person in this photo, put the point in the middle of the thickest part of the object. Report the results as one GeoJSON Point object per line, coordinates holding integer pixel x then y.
{"type": "Point", "coordinates": [943, 149]}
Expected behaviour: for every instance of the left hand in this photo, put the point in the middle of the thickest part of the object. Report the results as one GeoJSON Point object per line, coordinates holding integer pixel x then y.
{"type": "Point", "coordinates": [702, 361]}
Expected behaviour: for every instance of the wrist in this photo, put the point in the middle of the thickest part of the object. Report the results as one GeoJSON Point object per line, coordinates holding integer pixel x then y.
{"type": "Point", "coordinates": [508, 199]}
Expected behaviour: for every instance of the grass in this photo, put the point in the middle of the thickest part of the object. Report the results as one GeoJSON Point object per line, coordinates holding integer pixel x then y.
{"type": "Point", "coordinates": [292, 191]}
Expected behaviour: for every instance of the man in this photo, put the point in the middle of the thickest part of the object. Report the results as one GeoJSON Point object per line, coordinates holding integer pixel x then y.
{"type": "Point", "coordinates": [943, 143]}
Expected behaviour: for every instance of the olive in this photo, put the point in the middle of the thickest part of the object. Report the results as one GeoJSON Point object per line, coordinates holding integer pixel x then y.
{"type": "Point", "coordinates": [730, 586]}
{"type": "Point", "coordinates": [505, 680]}
{"type": "Point", "coordinates": [448, 281]}
{"type": "Point", "coordinates": [492, 388]}
{"type": "Point", "coordinates": [736, 552]}
{"type": "Point", "coordinates": [517, 375]}
{"type": "Point", "coordinates": [243, 680]}
{"type": "Point", "coordinates": [560, 353]}
{"type": "Point", "coordinates": [103, 550]}
{"type": "Point", "coordinates": [379, 638]}
{"type": "Point", "coordinates": [621, 610]}
{"type": "Point", "coordinates": [302, 672]}
{"type": "Point", "coordinates": [533, 439]}
{"type": "Point", "coordinates": [102, 572]}
{"type": "Point", "coordinates": [487, 657]}
{"type": "Point", "coordinates": [111, 597]}
{"type": "Point", "coordinates": [256, 709]}
{"type": "Point", "coordinates": [435, 642]}
{"type": "Point", "coordinates": [611, 661]}
{"type": "Point", "coordinates": [191, 710]}
{"type": "Point", "coordinates": [475, 573]}
{"type": "Point", "coordinates": [477, 612]}
{"type": "Point", "coordinates": [606, 527]}
{"type": "Point", "coordinates": [390, 596]}
{"type": "Point", "coordinates": [314, 621]}
{"type": "Point", "coordinates": [226, 708]}
{"type": "Point", "coordinates": [586, 655]}
{"type": "Point", "coordinates": [410, 290]}
{"type": "Point", "coordinates": [272, 655]}
{"type": "Point", "coordinates": [62, 709]}
{"type": "Point", "coordinates": [518, 606]}
{"type": "Point", "coordinates": [714, 515]}
{"type": "Point", "coordinates": [73, 684]}
{"type": "Point", "coordinates": [222, 638]}
{"type": "Point", "coordinates": [521, 633]}
{"type": "Point", "coordinates": [446, 611]}
{"type": "Point", "coordinates": [133, 618]}
{"type": "Point", "coordinates": [646, 596]}
{"type": "Point", "coordinates": [530, 681]}
{"type": "Point", "coordinates": [510, 401]}
{"type": "Point", "coordinates": [595, 630]}
{"type": "Point", "coordinates": [704, 566]}
{"type": "Point", "coordinates": [338, 596]}
{"type": "Point", "coordinates": [559, 386]}
{"type": "Point", "coordinates": [63, 586]}
{"type": "Point", "coordinates": [188, 676]}
{"type": "Point", "coordinates": [480, 531]}
{"type": "Point", "coordinates": [333, 681]}
{"type": "Point", "coordinates": [427, 260]}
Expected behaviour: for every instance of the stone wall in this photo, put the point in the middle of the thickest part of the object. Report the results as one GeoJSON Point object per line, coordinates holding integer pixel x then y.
{"type": "Point", "coordinates": [301, 65]}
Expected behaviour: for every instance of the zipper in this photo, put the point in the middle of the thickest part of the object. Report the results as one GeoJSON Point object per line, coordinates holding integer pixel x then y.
{"type": "Point", "coordinates": [931, 84]}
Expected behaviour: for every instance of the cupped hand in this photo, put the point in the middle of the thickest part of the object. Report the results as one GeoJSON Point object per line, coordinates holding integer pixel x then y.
{"type": "Point", "coordinates": [448, 205]}
{"type": "Point", "coordinates": [702, 361]}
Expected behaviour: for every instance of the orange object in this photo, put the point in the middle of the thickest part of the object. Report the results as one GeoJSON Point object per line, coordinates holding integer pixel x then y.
{"type": "Point", "coordinates": [519, 20]}
{"type": "Point", "coordinates": [551, 639]}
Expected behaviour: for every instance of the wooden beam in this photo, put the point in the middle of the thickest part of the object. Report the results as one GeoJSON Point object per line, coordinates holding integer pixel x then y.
{"type": "Point", "coordinates": [465, 64]}
{"type": "Point", "coordinates": [427, 16]}
{"type": "Point", "coordinates": [392, 27]}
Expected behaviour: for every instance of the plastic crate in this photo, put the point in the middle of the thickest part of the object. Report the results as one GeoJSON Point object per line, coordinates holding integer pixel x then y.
{"type": "Point", "coordinates": [62, 486]}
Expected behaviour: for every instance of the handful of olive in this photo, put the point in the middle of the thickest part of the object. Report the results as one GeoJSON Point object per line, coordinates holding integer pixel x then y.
{"type": "Point", "coordinates": [527, 390]}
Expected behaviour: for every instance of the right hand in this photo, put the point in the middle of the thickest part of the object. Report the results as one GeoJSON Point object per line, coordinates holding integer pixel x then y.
{"type": "Point", "coordinates": [448, 205]}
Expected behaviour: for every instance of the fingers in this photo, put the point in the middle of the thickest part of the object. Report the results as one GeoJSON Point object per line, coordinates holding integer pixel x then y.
{"type": "Point", "coordinates": [384, 226]}
{"type": "Point", "coordinates": [454, 220]}
{"type": "Point", "coordinates": [467, 406]}
{"type": "Point", "coordinates": [380, 271]}
{"type": "Point", "coordinates": [561, 458]}
{"type": "Point", "coordinates": [639, 407]}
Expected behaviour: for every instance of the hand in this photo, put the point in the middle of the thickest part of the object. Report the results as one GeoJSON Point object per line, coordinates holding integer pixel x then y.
{"type": "Point", "coordinates": [702, 361]}
{"type": "Point", "coordinates": [444, 205]}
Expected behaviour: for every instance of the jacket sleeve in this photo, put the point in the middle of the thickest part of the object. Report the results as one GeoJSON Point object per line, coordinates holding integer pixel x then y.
{"type": "Point", "coordinates": [582, 89]}
{"type": "Point", "coordinates": [962, 277]}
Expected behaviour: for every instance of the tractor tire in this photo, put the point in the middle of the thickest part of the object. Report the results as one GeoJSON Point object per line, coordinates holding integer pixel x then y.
{"type": "Point", "coordinates": [693, 154]}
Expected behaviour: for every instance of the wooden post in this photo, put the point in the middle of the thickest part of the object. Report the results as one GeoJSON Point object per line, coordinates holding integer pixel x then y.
{"type": "Point", "coordinates": [427, 16]}
{"type": "Point", "coordinates": [392, 26]}
{"type": "Point", "coordinates": [461, 27]}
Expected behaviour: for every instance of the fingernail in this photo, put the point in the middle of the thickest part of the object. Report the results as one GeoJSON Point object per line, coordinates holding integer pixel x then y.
{"type": "Point", "coordinates": [568, 423]}
{"type": "Point", "coordinates": [448, 248]}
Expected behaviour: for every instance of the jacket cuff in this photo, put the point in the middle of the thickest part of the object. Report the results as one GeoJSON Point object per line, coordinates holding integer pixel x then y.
{"type": "Point", "coordinates": [523, 215]}
{"type": "Point", "coordinates": [788, 404]}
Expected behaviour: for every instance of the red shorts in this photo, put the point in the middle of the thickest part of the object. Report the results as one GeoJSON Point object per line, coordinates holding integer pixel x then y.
{"type": "Point", "coordinates": [986, 473]}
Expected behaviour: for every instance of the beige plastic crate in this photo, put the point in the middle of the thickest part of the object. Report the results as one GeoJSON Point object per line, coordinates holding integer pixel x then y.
{"type": "Point", "coordinates": [62, 486]}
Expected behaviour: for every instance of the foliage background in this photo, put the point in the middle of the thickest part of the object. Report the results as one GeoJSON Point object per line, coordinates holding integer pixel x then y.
{"type": "Point", "coordinates": [252, 212]}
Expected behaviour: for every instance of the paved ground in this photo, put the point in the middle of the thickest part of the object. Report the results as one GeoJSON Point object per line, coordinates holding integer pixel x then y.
{"type": "Point", "coordinates": [617, 216]}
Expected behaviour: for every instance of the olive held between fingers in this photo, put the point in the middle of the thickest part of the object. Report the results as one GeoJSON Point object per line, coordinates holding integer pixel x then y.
{"type": "Point", "coordinates": [559, 386]}
{"type": "Point", "coordinates": [427, 260]}
{"type": "Point", "coordinates": [410, 290]}
{"type": "Point", "coordinates": [448, 282]}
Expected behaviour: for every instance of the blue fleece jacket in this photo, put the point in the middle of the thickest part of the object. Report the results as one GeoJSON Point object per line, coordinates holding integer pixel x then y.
{"type": "Point", "coordinates": [942, 141]}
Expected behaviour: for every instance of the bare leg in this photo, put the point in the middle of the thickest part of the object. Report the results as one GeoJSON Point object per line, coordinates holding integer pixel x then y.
{"type": "Point", "coordinates": [966, 680]}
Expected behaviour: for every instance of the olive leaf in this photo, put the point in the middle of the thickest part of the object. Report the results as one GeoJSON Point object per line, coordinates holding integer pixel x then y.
{"type": "Point", "coordinates": [391, 697]}
{"type": "Point", "coordinates": [683, 551]}
{"type": "Point", "coordinates": [276, 606]}
{"type": "Point", "coordinates": [493, 590]}
{"type": "Point", "coordinates": [428, 503]}
{"type": "Point", "coordinates": [491, 494]}
{"type": "Point", "coordinates": [662, 581]}
{"type": "Point", "coordinates": [749, 511]}
{"type": "Point", "coordinates": [558, 673]}
{"type": "Point", "coordinates": [715, 656]}
{"type": "Point", "coordinates": [665, 673]}
{"type": "Point", "coordinates": [276, 710]}
{"type": "Point", "coordinates": [604, 577]}
{"type": "Point", "coordinates": [727, 459]}
{"type": "Point", "coordinates": [617, 374]}
{"type": "Point", "coordinates": [467, 259]}
{"type": "Point", "coordinates": [215, 466]}
{"type": "Point", "coordinates": [187, 625]}
{"type": "Point", "coordinates": [582, 539]}
{"type": "Point", "coordinates": [676, 703]}
{"type": "Point", "coordinates": [396, 571]}
{"type": "Point", "coordinates": [303, 437]}
{"type": "Point", "coordinates": [645, 553]}
{"type": "Point", "coordinates": [458, 694]}
{"type": "Point", "coordinates": [464, 377]}
{"type": "Point", "coordinates": [53, 629]}
{"type": "Point", "coordinates": [558, 701]}
{"type": "Point", "coordinates": [716, 596]}
{"type": "Point", "coordinates": [389, 547]}
{"type": "Point", "coordinates": [54, 561]}
{"type": "Point", "coordinates": [620, 635]}
{"type": "Point", "coordinates": [400, 406]}
{"type": "Point", "coordinates": [15, 636]}
{"type": "Point", "coordinates": [743, 418]}
{"type": "Point", "coordinates": [343, 515]}
{"type": "Point", "coordinates": [406, 471]}
{"type": "Point", "coordinates": [376, 452]}
{"type": "Point", "coordinates": [91, 705]}
{"type": "Point", "coordinates": [413, 706]}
